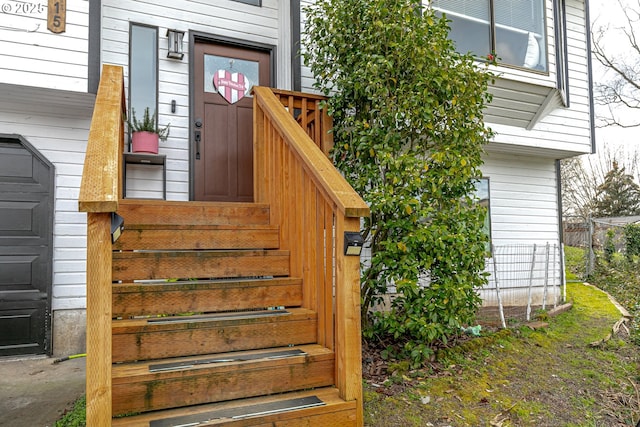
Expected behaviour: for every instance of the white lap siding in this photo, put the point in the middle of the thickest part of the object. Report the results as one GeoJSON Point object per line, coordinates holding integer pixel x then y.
{"type": "Point", "coordinates": [524, 207]}
{"type": "Point", "coordinates": [524, 230]}
{"type": "Point", "coordinates": [220, 18]}
{"type": "Point", "coordinates": [31, 55]}
{"type": "Point", "coordinates": [60, 134]}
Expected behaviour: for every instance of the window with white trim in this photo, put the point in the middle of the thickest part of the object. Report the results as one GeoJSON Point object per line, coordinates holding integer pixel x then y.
{"type": "Point", "coordinates": [511, 30]}
{"type": "Point", "coordinates": [483, 199]}
{"type": "Point", "coordinates": [143, 70]}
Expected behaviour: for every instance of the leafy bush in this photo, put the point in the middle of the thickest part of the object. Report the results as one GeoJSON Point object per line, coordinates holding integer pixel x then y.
{"type": "Point", "coordinates": [632, 240]}
{"type": "Point", "coordinates": [621, 279]}
{"type": "Point", "coordinates": [409, 135]}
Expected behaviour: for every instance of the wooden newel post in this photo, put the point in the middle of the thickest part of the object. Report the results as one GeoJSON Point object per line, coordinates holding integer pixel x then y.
{"type": "Point", "coordinates": [99, 197]}
{"type": "Point", "coordinates": [98, 319]}
{"type": "Point", "coordinates": [348, 322]}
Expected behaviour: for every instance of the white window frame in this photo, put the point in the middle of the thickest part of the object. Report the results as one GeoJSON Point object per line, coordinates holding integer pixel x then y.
{"type": "Point", "coordinates": [483, 194]}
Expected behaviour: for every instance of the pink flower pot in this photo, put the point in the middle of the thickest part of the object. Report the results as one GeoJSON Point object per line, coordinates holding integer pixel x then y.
{"type": "Point", "coordinates": [144, 142]}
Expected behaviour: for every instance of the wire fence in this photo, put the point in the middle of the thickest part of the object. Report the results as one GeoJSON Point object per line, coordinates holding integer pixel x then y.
{"type": "Point", "coordinates": [521, 279]}
{"type": "Point", "coordinates": [591, 236]}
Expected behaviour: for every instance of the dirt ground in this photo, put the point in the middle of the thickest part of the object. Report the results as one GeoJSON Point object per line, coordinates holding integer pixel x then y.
{"type": "Point", "coordinates": [35, 392]}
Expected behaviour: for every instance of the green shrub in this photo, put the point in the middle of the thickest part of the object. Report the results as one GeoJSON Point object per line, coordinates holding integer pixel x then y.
{"type": "Point", "coordinates": [632, 240]}
{"type": "Point", "coordinates": [621, 278]}
{"type": "Point", "coordinates": [409, 136]}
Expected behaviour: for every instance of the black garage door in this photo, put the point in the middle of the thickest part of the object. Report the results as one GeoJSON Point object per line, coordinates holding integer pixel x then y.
{"type": "Point", "coordinates": [26, 222]}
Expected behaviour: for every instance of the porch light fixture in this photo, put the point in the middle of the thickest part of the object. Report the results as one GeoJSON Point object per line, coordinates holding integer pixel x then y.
{"type": "Point", "coordinates": [353, 243]}
{"type": "Point", "coordinates": [117, 225]}
{"type": "Point", "coordinates": [174, 38]}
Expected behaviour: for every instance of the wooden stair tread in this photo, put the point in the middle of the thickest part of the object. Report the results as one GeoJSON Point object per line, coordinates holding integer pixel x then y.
{"type": "Point", "coordinates": [201, 285]}
{"type": "Point", "coordinates": [162, 337]}
{"type": "Point", "coordinates": [207, 320]}
{"type": "Point", "coordinates": [125, 372]}
{"type": "Point", "coordinates": [192, 212]}
{"type": "Point", "coordinates": [142, 387]}
{"type": "Point", "coordinates": [198, 236]}
{"type": "Point", "coordinates": [333, 412]}
{"type": "Point", "coordinates": [138, 299]}
{"type": "Point", "coordinates": [146, 265]}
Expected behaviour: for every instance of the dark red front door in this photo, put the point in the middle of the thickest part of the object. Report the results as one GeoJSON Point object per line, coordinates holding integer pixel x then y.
{"type": "Point", "coordinates": [223, 119]}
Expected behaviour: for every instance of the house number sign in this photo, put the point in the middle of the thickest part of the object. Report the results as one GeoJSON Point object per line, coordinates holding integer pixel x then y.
{"type": "Point", "coordinates": [57, 16]}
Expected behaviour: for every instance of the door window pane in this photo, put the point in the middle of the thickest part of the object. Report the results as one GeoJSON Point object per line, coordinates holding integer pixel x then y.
{"type": "Point", "coordinates": [213, 63]}
{"type": "Point", "coordinates": [143, 69]}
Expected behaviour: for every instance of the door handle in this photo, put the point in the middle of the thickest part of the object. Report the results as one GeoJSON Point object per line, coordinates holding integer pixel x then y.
{"type": "Point", "coordinates": [197, 138]}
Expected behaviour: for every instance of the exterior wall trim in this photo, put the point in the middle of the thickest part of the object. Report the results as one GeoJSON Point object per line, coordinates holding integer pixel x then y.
{"type": "Point", "coordinates": [587, 24]}
{"type": "Point", "coordinates": [560, 13]}
{"type": "Point", "coordinates": [95, 35]}
{"type": "Point", "coordinates": [559, 203]}
{"type": "Point", "coordinates": [296, 57]}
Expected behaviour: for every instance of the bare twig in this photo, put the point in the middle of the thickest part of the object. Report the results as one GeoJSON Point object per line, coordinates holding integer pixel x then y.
{"type": "Point", "coordinates": [635, 387]}
{"type": "Point", "coordinates": [500, 418]}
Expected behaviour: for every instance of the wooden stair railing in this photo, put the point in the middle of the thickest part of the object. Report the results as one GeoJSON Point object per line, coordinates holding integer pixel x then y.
{"type": "Point", "coordinates": [99, 196]}
{"type": "Point", "coordinates": [314, 206]}
{"type": "Point", "coordinates": [306, 109]}
{"type": "Point", "coordinates": [202, 311]}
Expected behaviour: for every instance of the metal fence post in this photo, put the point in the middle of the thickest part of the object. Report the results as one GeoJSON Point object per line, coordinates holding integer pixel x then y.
{"type": "Point", "coordinates": [533, 264]}
{"type": "Point", "coordinates": [495, 279]}
{"type": "Point", "coordinates": [546, 277]}
{"type": "Point", "coordinates": [590, 255]}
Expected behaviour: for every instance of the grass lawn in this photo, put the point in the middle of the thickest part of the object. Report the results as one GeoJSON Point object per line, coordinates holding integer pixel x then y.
{"type": "Point", "coordinates": [547, 377]}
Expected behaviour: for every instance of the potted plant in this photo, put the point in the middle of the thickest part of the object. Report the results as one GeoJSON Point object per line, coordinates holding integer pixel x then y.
{"type": "Point", "coordinates": [145, 134]}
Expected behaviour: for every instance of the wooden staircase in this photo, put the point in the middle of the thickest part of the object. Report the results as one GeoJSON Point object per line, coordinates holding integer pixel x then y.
{"type": "Point", "coordinates": [235, 314]}
{"type": "Point", "coordinates": [205, 312]}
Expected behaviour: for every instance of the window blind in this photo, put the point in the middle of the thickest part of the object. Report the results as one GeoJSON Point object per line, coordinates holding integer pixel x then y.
{"type": "Point", "coordinates": [478, 9]}
{"type": "Point", "coordinates": [526, 15]}
{"type": "Point", "coordinates": [523, 14]}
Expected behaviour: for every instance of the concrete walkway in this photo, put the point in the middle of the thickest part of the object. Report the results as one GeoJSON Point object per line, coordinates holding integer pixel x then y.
{"type": "Point", "coordinates": [34, 392]}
